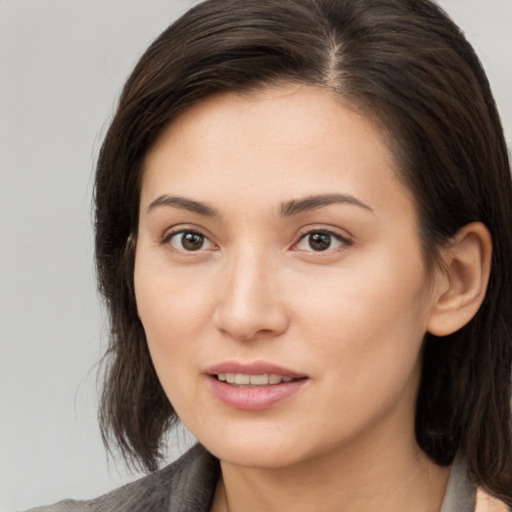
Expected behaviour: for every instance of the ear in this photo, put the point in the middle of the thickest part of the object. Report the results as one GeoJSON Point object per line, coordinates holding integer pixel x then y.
{"type": "Point", "coordinates": [461, 283]}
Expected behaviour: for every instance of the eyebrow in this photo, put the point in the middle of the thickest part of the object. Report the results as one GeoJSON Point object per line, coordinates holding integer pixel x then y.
{"type": "Point", "coordinates": [289, 208]}
{"type": "Point", "coordinates": [296, 206]}
{"type": "Point", "coordinates": [183, 204]}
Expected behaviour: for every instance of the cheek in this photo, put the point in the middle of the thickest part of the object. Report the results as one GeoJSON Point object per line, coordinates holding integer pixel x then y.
{"type": "Point", "coordinates": [173, 308]}
{"type": "Point", "coordinates": [367, 322]}
{"type": "Point", "coordinates": [375, 295]}
{"type": "Point", "coordinates": [169, 302]}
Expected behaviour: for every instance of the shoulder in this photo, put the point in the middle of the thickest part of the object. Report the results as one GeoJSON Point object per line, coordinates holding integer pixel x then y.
{"type": "Point", "coordinates": [186, 484]}
{"type": "Point", "coordinates": [486, 503]}
{"type": "Point", "coordinates": [462, 493]}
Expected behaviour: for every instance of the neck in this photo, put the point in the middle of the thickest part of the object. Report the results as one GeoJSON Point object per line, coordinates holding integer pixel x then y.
{"type": "Point", "coordinates": [366, 476]}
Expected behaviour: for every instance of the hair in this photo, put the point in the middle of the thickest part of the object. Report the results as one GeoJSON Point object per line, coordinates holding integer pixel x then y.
{"type": "Point", "coordinates": [405, 64]}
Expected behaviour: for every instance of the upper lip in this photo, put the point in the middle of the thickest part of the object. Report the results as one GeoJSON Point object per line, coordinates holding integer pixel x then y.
{"type": "Point", "coordinates": [254, 368]}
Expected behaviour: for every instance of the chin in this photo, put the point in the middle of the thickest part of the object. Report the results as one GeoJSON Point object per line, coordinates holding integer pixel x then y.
{"type": "Point", "coordinates": [269, 448]}
{"type": "Point", "coordinates": [260, 457]}
{"type": "Point", "coordinates": [253, 449]}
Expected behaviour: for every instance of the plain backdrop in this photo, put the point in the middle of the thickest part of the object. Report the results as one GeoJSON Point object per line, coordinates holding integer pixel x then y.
{"type": "Point", "coordinates": [62, 64]}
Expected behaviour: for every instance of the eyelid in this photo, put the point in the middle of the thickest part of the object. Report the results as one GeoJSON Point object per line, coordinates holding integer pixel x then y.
{"type": "Point", "coordinates": [346, 239]}
{"type": "Point", "coordinates": [175, 230]}
{"type": "Point", "coordinates": [304, 232]}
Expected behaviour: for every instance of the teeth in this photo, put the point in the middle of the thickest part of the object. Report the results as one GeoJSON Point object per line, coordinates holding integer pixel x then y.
{"type": "Point", "coordinates": [242, 379]}
{"type": "Point", "coordinates": [274, 379]}
{"type": "Point", "coordinates": [259, 380]}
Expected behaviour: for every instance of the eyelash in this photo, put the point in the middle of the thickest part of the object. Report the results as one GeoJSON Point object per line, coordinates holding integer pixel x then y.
{"type": "Point", "coordinates": [171, 234]}
{"type": "Point", "coordinates": [344, 242]}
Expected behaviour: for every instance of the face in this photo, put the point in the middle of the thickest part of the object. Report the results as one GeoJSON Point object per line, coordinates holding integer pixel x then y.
{"type": "Point", "coordinates": [279, 277]}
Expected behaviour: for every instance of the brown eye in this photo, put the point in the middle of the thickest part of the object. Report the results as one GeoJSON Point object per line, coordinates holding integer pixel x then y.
{"type": "Point", "coordinates": [318, 241]}
{"type": "Point", "coordinates": [188, 241]}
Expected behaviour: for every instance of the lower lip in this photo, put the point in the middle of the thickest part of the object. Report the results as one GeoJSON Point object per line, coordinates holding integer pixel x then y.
{"type": "Point", "coordinates": [254, 398]}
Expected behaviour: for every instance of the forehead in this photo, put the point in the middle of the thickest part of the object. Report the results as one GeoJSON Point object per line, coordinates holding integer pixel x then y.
{"type": "Point", "coordinates": [281, 141]}
{"type": "Point", "coordinates": [306, 114]}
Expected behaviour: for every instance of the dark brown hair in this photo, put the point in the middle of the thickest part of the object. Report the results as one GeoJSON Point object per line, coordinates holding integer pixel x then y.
{"type": "Point", "coordinates": [408, 66]}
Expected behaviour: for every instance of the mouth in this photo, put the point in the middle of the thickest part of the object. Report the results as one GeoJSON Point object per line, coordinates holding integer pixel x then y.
{"type": "Point", "coordinates": [258, 373]}
{"type": "Point", "coordinates": [243, 379]}
{"type": "Point", "coordinates": [254, 386]}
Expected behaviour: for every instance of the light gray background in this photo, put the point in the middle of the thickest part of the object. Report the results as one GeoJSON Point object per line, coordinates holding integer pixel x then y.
{"type": "Point", "coordinates": [62, 64]}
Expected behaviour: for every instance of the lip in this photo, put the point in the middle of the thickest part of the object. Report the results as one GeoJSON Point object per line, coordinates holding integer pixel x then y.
{"type": "Point", "coordinates": [254, 368]}
{"type": "Point", "coordinates": [254, 398]}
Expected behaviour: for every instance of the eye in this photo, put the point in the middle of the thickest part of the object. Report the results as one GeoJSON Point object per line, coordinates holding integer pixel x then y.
{"type": "Point", "coordinates": [188, 241]}
{"type": "Point", "coordinates": [321, 240]}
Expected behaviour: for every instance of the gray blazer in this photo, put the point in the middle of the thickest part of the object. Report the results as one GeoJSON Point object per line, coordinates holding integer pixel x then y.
{"type": "Point", "coordinates": [188, 485]}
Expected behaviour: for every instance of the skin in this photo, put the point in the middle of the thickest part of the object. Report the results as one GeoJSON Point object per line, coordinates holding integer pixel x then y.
{"type": "Point", "coordinates": [351, 318]}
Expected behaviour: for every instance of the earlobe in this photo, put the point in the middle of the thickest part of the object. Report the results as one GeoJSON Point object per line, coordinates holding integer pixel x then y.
{"type": "Point", "coordinates": [462, 282]}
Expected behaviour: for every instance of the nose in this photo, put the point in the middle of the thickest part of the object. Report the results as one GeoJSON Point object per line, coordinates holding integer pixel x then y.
{"type": "Point", "coordinates": [250, 305]}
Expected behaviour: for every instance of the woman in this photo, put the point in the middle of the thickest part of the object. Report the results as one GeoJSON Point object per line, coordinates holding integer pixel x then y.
{"type": "Point", "coordinates": [303, 238]}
